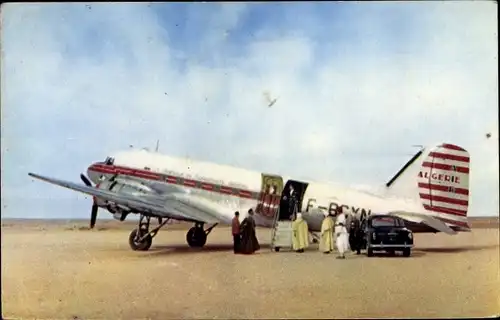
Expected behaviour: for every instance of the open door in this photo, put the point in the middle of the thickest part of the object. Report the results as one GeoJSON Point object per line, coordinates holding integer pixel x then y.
{"type": "Point", "coordinates": [286, 207]}
{"type": "Point", "coordinates": [270, 195]}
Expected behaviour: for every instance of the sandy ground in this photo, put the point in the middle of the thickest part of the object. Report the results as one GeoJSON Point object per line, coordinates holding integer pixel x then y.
{"type": "Point", "coordinates": [61, 271]}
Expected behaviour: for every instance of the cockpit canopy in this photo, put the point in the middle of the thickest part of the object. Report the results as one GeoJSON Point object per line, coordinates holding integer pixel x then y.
{"type": "Point", "coordinates": [109, 161]}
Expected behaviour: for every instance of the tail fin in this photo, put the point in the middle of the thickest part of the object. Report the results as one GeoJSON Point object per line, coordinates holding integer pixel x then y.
{"type": "Point", "coordinates": [438, 177]}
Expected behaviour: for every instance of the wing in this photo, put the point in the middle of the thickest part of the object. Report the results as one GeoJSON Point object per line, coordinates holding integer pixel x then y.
{"type": "Point", "coordinates": [177, 206]}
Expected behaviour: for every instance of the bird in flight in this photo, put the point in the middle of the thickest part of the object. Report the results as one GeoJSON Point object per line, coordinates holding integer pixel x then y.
{"type": "Point", "coordinates": [269, 100]}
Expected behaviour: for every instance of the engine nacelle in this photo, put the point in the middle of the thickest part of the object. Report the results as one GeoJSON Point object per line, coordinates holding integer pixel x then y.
{"type": "Point", "coordinates": [116, 208]}
{"type": "Point", "coordinates": [121, 216]}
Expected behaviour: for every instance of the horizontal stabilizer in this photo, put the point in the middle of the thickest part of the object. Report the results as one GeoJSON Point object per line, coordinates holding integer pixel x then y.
{"type": "Point", "coordinates": [425, 219]}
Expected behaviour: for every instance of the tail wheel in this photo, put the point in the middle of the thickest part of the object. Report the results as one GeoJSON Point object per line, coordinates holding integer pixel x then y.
{"type": "Point", "coordinates": [196, 237]}
{"type": "Point", "coordinates": [143, 245]}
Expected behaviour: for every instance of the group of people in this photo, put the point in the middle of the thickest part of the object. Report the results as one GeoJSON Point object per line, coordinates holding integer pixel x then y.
{"type": "Point", "coordinates": [244, 236]}
{"type": "Point", "coordinates": [336, 227]}
{"type": "Point", "coordinates": [329, 228]}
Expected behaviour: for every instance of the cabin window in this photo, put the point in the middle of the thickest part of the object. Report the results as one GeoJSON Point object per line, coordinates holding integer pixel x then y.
{"type": "Point", "coordinates": [147, 168]}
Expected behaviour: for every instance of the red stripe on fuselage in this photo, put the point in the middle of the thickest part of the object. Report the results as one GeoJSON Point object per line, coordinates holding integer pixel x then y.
{"type": "Point", "coordinates": [207, 186]}
{"type": "Point", "coordinates": [171, 179]}
{"type": "Point", "coordinates": [444, 199]}
{"type": "Point", "coordinates": [445, 210]}
{"type": "Point", "coordinates": [245, 194]}
{"type": "Point", "coordinates": [438, 187]}
{"type": "Point", "coordinates": [189, 183]}
{"type": "Point", "coordinates": [449, 156]}
{"type": "Point", "coordinates": [448, 167]}
{"type": "Point", "coordinates": [226, 190]}
{"type": "Point", "coordinates": [452, 147]}
{"type": "Point", "coordinates": [145, 174]}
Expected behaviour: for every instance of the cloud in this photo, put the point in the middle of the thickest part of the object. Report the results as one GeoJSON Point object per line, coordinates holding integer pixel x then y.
{"type": "Point", "coordinates": [358, 84]}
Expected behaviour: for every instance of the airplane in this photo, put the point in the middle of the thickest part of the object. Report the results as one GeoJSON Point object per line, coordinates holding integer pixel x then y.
{"type": "Point", "coordinates": [430, 193]}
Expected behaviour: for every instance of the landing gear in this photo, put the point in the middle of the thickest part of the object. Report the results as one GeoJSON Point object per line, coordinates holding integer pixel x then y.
{"type": "Point", "coordinates": [140, 239]}
{"type": "Point", "coordinates": [197, 236]}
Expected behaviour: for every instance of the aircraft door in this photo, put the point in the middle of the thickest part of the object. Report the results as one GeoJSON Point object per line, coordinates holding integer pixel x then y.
{"type": "Point", "coordinates": [270, 195]}
{"type": "Point", "coordinates": [286, 208]}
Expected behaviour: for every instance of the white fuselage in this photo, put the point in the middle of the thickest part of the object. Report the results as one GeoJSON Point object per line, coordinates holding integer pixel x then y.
{"type": "Point", "coordinates": [229, 189]}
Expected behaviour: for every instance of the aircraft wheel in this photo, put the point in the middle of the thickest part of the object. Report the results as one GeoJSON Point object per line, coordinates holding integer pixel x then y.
{"type": "Point", "coordinates": [144, 245]}
{"type": "Point", "coordinates": [196, 237]}
{"type": "Point", "coordinates": [277, 249]}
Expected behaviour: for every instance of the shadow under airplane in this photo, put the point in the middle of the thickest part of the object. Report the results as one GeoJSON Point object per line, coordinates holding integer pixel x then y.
{"type": "Point", "coordinates": [457, 249]}
{"type": "Point", "coordinates": [208, 248]}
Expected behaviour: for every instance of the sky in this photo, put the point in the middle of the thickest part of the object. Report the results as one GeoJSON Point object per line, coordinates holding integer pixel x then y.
{"type": "Point", "coordinates": [358, 85]}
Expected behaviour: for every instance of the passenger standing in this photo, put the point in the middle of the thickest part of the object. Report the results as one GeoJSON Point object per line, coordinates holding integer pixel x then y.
{"type": "Point", "coordinates": [326, 242]}
{"type": "Point", "coordinates": [300, 234]}
{"type": "Point", "coordinates": [249, 242]}
{"type": "Point", "coordinates": [236, 232]}
{"type": "Point", "coordinates": [355, 235]}
{"type": "Point", "coordinates": [292, 203]}
{"type": "Point", "coordinates": [342, 235]}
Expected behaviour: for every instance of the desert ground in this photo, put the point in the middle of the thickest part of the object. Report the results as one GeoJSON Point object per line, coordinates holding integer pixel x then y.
{"type": "Point", "coordinates": [61, 270]}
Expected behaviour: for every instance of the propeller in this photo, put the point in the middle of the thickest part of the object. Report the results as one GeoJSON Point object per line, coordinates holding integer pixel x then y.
{"type": "Point", "coordinates": [93, 212]}
{"type": "Point", "coordinates": [86, 180]}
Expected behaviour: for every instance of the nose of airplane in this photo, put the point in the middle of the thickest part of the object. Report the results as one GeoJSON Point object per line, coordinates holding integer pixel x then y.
{"type": "Point", "coordinates": [93, 172]}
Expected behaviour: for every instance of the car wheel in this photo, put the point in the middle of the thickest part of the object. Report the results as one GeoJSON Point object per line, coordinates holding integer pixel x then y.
{"type": "Point", "coordinates": [369, 252]}
{"type": "Point", "coordinates": [406, 252]}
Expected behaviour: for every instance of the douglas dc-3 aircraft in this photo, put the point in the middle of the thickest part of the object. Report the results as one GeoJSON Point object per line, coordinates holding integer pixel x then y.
{"type": "Point", "coordinates": [430, 192]}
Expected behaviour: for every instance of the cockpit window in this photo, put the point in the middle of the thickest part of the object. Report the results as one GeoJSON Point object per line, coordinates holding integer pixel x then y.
{"type": "Point", "coordinates": [109, 161]}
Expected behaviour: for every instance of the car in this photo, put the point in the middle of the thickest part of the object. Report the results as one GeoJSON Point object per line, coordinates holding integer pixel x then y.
{"type": "Point", "coordinates": [387, 233]}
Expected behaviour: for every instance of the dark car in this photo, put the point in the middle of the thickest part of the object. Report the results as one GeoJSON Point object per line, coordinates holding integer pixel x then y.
{"type": "Point", "coordinates": [387, 233]}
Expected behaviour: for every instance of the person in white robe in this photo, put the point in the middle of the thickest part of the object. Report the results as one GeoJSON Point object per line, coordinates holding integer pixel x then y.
{"type": "Point", "coordinates": [342, 235]}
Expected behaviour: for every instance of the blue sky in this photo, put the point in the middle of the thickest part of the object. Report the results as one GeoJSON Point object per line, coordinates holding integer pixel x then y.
{"type": "Point", "coordinates": [358, 85]}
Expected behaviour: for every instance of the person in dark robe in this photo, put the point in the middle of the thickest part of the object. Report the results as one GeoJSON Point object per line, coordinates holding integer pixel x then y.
{"type": "Point", "coordinates": [355, 235]}
{"type": "Point", "coordinates": [249, 242]}
{"type": "Point", "coordinates": [292, 202]}
{"type": "Point", "coordinates": [236, 232]}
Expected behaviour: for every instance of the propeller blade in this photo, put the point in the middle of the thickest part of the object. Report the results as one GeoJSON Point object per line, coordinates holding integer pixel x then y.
{"type": "Point", "coordinates": [93, 215]}
{"type": "Point", "coordinates": [85, 180]}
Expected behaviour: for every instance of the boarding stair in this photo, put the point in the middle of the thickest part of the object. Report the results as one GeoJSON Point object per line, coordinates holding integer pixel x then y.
{"type": "Point", "coordinates": [282, 232]}
{"type": "Point", "coordinates": [282, 235]}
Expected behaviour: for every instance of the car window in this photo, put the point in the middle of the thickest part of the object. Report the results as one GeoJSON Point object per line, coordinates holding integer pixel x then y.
{"type": "Point", "coordinates": [385, 222]}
